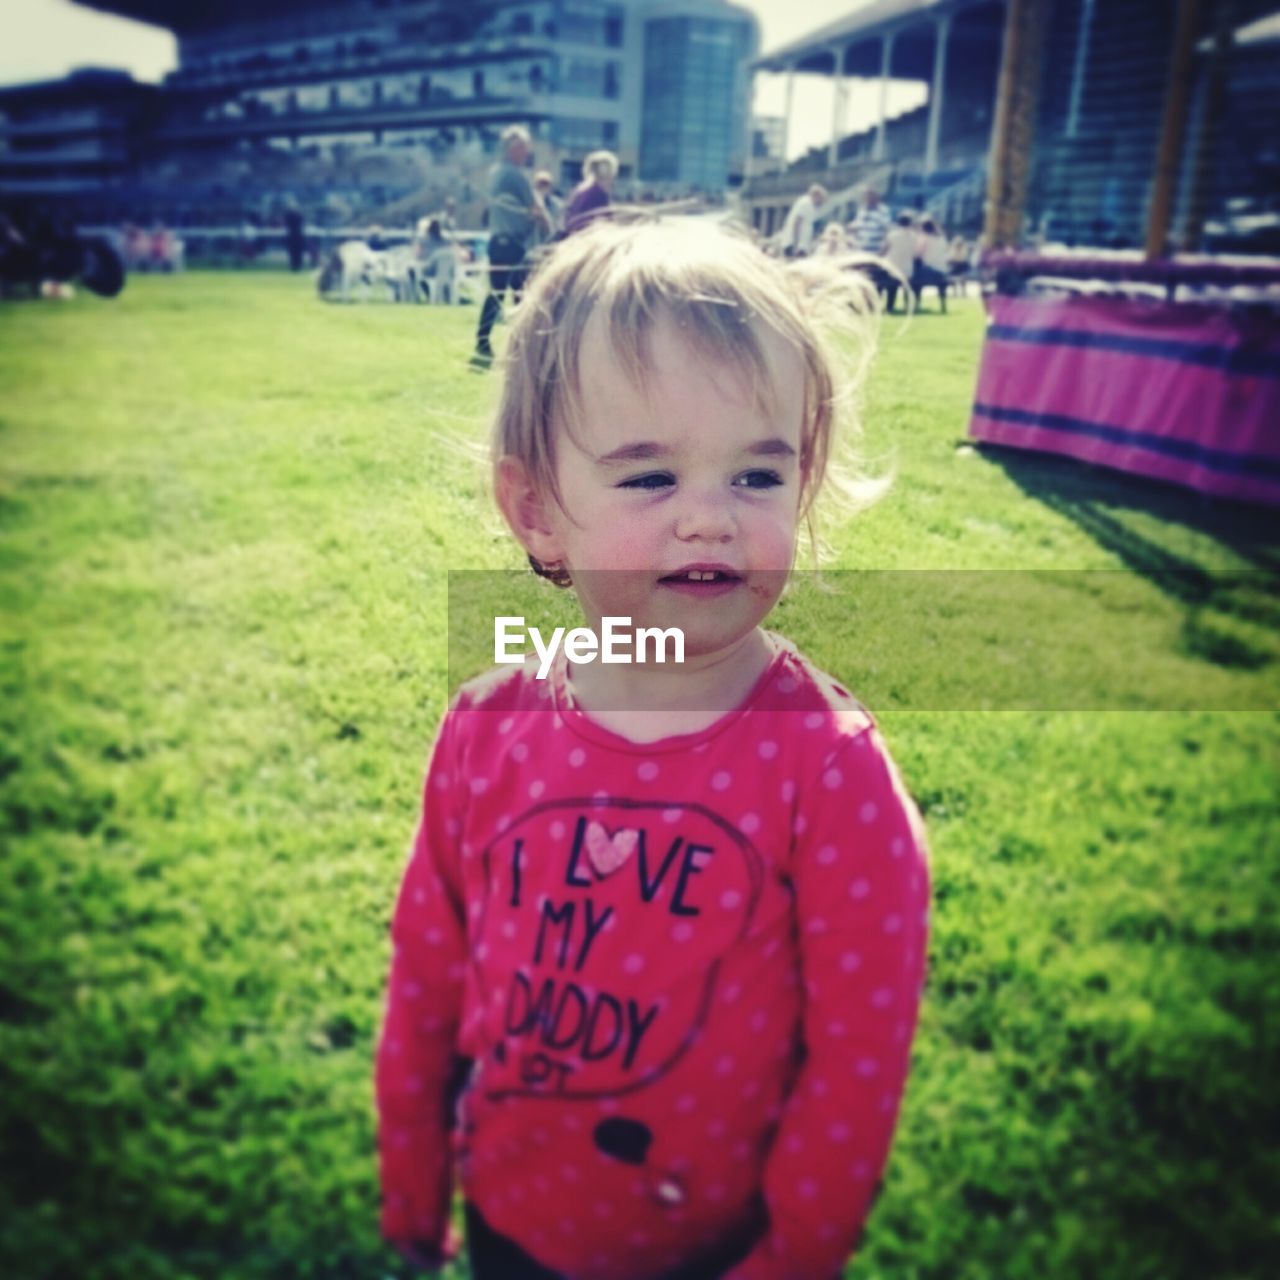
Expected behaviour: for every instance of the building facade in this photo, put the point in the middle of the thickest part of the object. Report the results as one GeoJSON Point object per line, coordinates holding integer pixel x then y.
{"type": "Point", "coordinates": [65, 137]}
{"type": "Point", "coordinates": [337, 76]}
{"type": "Point", "coordinates": [1102, 82]}
{"type": "Point", "coordinates": [928, 156]}
{"type": "Point", "coordinates": [288, 87]}
{"type": "Point", "coordinates": [694, 117]}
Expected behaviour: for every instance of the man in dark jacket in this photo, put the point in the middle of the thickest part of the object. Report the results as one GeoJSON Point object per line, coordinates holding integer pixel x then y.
{"type": "Point", "coordinates": [295, 236]}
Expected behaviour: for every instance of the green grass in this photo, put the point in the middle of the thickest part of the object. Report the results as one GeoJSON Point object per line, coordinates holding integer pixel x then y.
{"type": "Point", "coordinates": [228, 512]}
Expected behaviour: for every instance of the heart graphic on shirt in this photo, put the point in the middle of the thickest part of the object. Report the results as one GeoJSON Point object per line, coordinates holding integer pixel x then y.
{"type": "Point", "coordinates": [607, 853]}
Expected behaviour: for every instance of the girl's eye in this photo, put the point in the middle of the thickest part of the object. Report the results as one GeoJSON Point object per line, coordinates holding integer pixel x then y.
{"type": "Point", "coordinates": [652, 480]}
{"type": "Point", "coordinates": [758, 479]}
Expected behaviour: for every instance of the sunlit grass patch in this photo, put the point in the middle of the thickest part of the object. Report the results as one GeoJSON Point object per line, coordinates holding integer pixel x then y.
{"type": "Point", "coordinates": [228, 512]}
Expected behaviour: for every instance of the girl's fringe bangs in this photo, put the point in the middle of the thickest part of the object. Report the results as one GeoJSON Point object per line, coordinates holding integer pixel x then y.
{"type": "Point", "coordinates": [720, 287]}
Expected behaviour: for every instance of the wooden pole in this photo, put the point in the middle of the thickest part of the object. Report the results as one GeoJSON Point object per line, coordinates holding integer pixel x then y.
{"type": "Point", "coordinates": [1172, 129]}
{"type": "Point", "coordinates": [1000, 127]}
{"type": "Point", "coordinates": [1013, 130]}
{"type": "Point", "coordinates": [1213, 88]}
{"type": "Point", "coordinates": [1022, 120]}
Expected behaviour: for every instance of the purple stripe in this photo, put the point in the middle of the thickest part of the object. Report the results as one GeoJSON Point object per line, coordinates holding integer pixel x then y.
{"type": "Point", "coordinates": [1183, 450]}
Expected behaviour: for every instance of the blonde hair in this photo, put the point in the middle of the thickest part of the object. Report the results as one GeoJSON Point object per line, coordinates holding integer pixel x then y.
{"type": "Point", "coordinates": [600, 164]}
{"type": "Point", "coordinates": [724, 293]}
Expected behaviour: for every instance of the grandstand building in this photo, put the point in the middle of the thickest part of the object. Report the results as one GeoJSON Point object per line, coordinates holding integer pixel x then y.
{"type": "Point", "coordinates": [71, 136]}
{"type": "Point", "coordinates": [1101, 97]}
{"type": "Point", "coordinates": [378, 101]}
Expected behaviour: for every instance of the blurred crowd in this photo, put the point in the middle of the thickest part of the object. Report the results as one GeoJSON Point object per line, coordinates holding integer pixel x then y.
{"type": "Point", "coordinates": [911, 249]}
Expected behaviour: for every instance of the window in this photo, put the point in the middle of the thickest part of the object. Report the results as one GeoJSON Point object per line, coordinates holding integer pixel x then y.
{"type": "Point", "coordinates": [694, 99]}
{"type": "Point", "coordinates": [584, 78]}
{"type": "Point", "coordinates": [585, 135]}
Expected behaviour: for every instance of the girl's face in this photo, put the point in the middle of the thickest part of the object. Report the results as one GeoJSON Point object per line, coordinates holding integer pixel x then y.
{"type": "Point", "coordinates": [680, 506]}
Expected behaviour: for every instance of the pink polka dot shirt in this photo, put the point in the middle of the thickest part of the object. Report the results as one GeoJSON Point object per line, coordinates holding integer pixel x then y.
{"type": "Point", "coordinates": [647, 999]}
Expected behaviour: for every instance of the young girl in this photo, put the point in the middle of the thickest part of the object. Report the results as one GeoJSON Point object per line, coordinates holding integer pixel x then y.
{"type": "Point", "coordinates": [660, 943]}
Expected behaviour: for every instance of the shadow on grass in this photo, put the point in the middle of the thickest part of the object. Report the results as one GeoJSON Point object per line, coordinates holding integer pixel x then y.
{"type": "Point", "coordinates": [1225, 609]}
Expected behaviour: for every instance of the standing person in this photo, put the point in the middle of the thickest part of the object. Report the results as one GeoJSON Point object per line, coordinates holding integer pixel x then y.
{"type": "Point", "coordinates": [658, 950]}
{"type": "Point", "coordinates": [294, 236]}
{"type": "Point", "coordinates": [162, 248]}
{"type": "Point", "coordinates": [801, 225]}
{"type": "Point", "coordinates": [871, 226]}
{"type": "Point", "coordinates": [932, 264]}
{"type": "Point", "coordinates": [592, 194]}
{"type": "Point", "coordinates": [249, 238]}
{"type": "Point", "coordinates": [515, 218]}
{"type": "Point", "coordinates": [543, 188]}
{"type": "Point", "coordinates": [900, 254]}
{"type": "Point", "coordinates": [958, 254]}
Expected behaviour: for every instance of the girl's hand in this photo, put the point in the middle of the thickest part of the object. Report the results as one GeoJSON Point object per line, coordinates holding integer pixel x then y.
{"type": "Point", "coordinates": [429, 1256]}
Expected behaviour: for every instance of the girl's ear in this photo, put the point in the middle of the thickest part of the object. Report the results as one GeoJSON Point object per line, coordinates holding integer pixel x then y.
{"type": "Point", "coordinates": [527, 510]}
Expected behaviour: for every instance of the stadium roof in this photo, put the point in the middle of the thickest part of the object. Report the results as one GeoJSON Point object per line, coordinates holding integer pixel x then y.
{"type": "Point", "coordinates": [859, 31]}
{"type": "Point", "coordinates": [867, 22]}
{"type": "Point", "coordinates": [86, 86]}
{"type": "Point", "coordinates": [187, 15]}
{"type": "Point", "coordinates": [1264, 31]}
{"type": "Point", "coordinates": [197, 15]}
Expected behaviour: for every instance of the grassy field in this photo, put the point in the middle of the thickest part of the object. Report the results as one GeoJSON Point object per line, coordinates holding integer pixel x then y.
{"type": "Point", "coordinates": [228, 512]}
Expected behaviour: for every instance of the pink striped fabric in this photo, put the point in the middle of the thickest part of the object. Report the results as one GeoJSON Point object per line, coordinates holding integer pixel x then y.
{"type": "Point", "coordinates": [1179, 392]}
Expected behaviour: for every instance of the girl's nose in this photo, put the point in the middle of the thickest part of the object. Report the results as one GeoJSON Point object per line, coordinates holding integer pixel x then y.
{"type": "Point", "coordinates": [705, 518]}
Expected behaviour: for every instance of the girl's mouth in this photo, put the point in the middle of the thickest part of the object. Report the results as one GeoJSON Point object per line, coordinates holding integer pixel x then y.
{"type": "Point", "coordinates": [702, 582]}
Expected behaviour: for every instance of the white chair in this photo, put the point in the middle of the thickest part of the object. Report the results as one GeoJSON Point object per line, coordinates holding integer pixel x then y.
{"type": "Point", "coordinates": [440, 272]}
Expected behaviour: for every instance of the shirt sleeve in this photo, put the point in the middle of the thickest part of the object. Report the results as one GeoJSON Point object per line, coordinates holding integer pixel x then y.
{"type": "Point", "coordinates": [861, 881]}
{"type": "Point", "coordinates": [417, 1061]}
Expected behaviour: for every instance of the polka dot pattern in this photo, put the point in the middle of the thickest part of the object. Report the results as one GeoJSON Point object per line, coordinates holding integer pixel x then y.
{"type": "Point", "coordinates": [798, 1059]}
